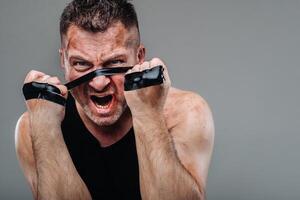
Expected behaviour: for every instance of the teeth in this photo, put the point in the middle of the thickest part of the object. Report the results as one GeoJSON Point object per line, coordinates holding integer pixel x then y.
{"type": "Point", "coordinates": [102, 102]}
{"type": "Point", "coordinates": [103, 107]}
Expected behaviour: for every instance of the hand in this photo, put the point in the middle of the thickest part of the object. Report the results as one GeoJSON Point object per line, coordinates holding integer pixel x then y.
{"type": "Point", "coordinates": [43, 111]}
{"type": "Point", "coordinates": [149, 100]}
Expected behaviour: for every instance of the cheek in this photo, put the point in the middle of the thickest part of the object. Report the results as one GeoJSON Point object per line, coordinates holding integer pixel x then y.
{"type": "Point", "coordinates": [118, 81]}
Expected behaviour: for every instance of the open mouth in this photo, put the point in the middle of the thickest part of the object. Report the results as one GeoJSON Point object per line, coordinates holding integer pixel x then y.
{"type": "Point", "coordinates": [102, 102]}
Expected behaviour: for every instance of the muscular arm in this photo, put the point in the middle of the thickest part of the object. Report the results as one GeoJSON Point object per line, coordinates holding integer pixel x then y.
{"type": "Point", "coordinates": [46, 162]}
{"type": "Point", "coordinates": [174, 163]}
{"type": "Point", "coordinates": [173, 154]}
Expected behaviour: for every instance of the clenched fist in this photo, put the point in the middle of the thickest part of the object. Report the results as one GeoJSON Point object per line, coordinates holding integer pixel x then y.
{"type": "Point", "coordinates": [148, 100]}
{"type": "Point", "coordinates": [42, 111]}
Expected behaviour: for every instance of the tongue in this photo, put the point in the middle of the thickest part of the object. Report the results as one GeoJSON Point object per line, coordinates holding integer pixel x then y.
{"type": "Point", "coordinates": [102, 101]}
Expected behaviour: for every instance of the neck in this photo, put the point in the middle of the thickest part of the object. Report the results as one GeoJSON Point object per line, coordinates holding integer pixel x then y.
{"type": "Point", "coordinates": [107, 135]}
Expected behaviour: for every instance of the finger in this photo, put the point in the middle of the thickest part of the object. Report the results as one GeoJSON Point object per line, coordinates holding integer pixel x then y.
{"type": "Point", "coordinates": [43, 78]}
{"type": "Point", "coordinates": [33, 75]}
{"type": "Point", "coordinates": [136, 68]}
{"type": "Point", "coordinates": [144, 66]}
{"type": "Point", "coordinates": [53, 80]}
{"type": "Point", "coordinates": [57, 83]}
{"type": "Point", "coordinates": [63, 90]}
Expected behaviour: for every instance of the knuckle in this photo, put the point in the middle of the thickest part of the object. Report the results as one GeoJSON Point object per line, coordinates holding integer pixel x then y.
{"type": "Point", "coordinates": [44, 77]}
{"type": "Point", "coordinates": [31, 75]}
{"type": "Point", "coordinates": [156, 60]}
{"type": "Point", "coordinates": [129, 71]}
{"type": "Point", "coordinates": [53, 80]}
{"type": "Point", "coordinates": [136, 68]}
{"type": "Point", "coordinates": [56, 79]}
{"type": "Point", "coordinates": [32, 71]}
{"type": "Point", "coordinates": [146, 64]}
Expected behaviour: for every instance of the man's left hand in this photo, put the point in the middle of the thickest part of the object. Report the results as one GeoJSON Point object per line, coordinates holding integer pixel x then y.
{"type": "Point", "coordinates": [149, 100]}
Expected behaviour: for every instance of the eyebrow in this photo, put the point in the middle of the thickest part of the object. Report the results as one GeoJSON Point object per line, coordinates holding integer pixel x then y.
{"type": "Point", "coordinates": [114, 55]}
{"type": "Point", "coordinates": [78, 57]}
{"type": "Point", "coordinates": [77, 54]}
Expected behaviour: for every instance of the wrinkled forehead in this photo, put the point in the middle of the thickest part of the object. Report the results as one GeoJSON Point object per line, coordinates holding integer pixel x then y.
{"type": "Point", "coordinates": [115, 37]}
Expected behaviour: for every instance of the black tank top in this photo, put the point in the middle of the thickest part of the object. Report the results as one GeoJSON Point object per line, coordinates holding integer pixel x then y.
{"type": "Point", "coordinates": [110, 172]}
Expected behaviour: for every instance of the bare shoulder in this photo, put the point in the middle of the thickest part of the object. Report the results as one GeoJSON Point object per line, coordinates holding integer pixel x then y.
{"type": "Point", "coordinates": [185, 101]}
{"type": "Point", "coordinates": [24, 149]}
{"type": "Point", "coordinates": [189, 110]}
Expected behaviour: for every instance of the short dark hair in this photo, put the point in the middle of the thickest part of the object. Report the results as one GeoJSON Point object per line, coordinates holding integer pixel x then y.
{"type": "Point", "coordinates": [97, 15]}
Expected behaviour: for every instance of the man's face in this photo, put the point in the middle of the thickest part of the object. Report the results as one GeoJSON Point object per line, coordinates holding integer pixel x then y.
{"type": "Point", "coordinates": [101, 99]}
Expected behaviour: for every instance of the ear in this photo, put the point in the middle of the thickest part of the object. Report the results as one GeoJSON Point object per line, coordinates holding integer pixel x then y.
{"type": "Point", "coordinates": [141, 53]}
{"type": "Point", "coordinates": [62, 58]}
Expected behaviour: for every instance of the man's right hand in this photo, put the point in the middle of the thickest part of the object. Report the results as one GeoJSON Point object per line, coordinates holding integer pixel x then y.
{"type": "Point", "coordinates": [42, 111]}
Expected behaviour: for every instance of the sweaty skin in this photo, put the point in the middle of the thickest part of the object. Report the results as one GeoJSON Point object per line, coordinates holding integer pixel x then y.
{"type": "Point", "coordinates": [174, 129]}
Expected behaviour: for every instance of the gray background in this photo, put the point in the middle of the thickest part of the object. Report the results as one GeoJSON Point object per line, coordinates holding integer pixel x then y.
{"type": "Point", "coordinates": [241, 56]}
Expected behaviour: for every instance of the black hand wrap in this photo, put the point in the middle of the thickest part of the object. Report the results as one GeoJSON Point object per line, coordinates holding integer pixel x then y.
{"type": "Point", "coordinates": [35, 90]}
{"type": "Point", "coordinates": [146, 78]}
{"type": "Point", "coordinates": [133, 81]}
{"type": "Point", "coordinates": [98, 72]}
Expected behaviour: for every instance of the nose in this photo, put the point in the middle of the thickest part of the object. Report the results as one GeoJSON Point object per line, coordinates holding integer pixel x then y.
{"type": "Point", "coordinates": [99, 83]}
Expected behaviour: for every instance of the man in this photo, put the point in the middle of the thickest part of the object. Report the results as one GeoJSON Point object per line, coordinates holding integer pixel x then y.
{"type": "Point", "coordinates": [152, 143]}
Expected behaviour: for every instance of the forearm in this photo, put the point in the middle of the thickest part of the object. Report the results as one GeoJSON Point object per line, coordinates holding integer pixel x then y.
{"type": "Point", "coordinates": [57, 177]}
{"type": "Point", "coordinates": [162, 176]}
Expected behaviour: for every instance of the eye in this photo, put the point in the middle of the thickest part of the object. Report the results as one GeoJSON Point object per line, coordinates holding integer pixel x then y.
{"type": "Point", "coordinates": [81, 65]}
{"type": "Point", "coordinates": [115, 62]}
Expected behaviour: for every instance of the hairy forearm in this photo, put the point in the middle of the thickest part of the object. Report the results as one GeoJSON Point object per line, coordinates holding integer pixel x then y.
{"type": "Point", "coordinates": [162, 176]}
{"type": "Point", "coordinates": [57, 177]}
